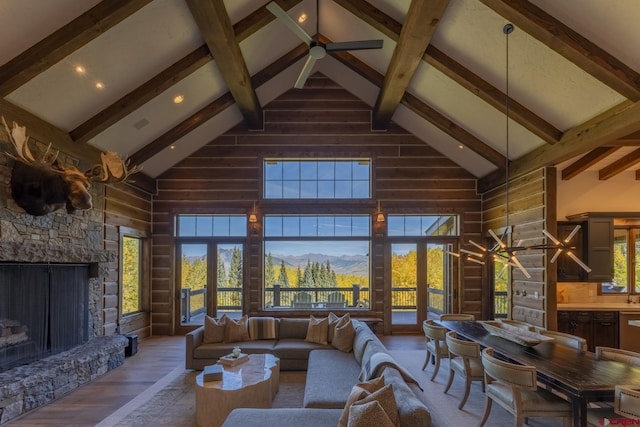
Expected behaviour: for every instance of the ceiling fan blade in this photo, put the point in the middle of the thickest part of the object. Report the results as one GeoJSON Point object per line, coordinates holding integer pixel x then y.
{"type": "Point", "coordinates": [289, 22]}
{"type": "Point", "coordinates": [354, 45]}
{"type": "Point", "coordinates": [306, 70]}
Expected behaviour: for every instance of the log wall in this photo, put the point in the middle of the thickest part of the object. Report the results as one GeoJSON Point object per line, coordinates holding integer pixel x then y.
{"type": "Point", "coordinates": [322, 120]}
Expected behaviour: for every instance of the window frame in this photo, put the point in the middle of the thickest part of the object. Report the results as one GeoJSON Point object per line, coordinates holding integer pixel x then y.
{"type": "Point", "coordinates": [143, 271]}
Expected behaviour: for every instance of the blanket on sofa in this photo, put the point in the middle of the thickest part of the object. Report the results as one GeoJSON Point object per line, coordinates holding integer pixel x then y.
{"type": "Point", "coordinates": [378, 361]}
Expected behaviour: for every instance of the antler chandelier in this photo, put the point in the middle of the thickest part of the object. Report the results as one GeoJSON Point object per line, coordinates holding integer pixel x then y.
{"type": "Point", "coordinates": [501, 252]}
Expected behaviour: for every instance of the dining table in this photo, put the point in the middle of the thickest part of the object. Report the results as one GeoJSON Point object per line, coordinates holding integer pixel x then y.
{"type": "Point", "coordinates": [574, 374]}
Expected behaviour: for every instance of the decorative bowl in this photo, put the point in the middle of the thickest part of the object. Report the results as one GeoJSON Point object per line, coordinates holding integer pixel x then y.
{"type": "Point", "coordinates": [514, 334]}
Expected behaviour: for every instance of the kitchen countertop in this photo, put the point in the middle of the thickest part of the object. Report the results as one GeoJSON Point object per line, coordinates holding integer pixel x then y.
{"type": "Point", "coordinates": [594, 306]}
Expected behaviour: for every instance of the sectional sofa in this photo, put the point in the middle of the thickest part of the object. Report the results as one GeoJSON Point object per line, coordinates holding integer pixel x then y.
{"type": "Point", "coordinates": [331, 375]}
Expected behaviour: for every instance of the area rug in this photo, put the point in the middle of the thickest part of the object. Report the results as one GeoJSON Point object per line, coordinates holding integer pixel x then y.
{"type": "Point", "coordinates": [171, 401]}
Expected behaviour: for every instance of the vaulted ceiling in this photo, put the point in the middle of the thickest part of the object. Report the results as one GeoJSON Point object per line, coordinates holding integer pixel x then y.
{"type": "Point", "coordinates": [567, 77]}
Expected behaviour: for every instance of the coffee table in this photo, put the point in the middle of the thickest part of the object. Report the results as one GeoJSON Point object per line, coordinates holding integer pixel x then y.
{"type": "Point", "coordinates": [252, 384]}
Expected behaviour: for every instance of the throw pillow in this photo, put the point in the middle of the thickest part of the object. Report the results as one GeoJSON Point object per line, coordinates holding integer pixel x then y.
{"type": "Point", "coordinates": [343, 336]}
{"type": "Point", "coordinates": [358, 392]}
{"type": "Point", "coordinates": [263, 328]}
{"type": "Point", "coordinates": [317, 330]}
{"type": "Point", "coordinates": [333, 321]}
{"type": "Point", "coordinates": [236, 330]}
{"type": "Point", "coordinates": [213, 329]}
{"type": "Point", "coordinates": [369, 414]}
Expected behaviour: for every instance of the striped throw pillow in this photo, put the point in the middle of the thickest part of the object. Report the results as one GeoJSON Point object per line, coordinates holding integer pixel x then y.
{"type": "Point", "coordinates": [263, 328]}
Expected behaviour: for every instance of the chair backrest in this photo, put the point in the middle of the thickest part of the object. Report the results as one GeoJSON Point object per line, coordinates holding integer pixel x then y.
{"type": "Point", "coordinates": [302, 297]}
{"type": "Point", "coordinates": [567, 339]}
{"type": "Point", "coordinates": [625, 356]}
{"type": "Point", "coordinates": [523, 376]}
{"type": "Point", "coordinates": [627, 401]}
{"type": "Point", "coordinates": [462, 348]}
{"type": "Point", "coordinates": [335, 297]}
{"type": "Point", "coordinates": [433, 331]}
{"type": "Point", "coordinates": [457, 317]}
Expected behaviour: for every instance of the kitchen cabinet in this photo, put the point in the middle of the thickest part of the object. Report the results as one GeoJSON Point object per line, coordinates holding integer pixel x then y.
{"type": "Point", "coordinates": [599, 328]}
{"type": "Point", "coordinates": [593, 245]}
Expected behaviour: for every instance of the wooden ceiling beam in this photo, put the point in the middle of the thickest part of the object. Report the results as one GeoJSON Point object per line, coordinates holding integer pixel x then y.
{"type": "Point", "coordinates": [570, 44]}
{"type": "Point", "coordinates": [586, 161]}
{"type": "Point", "coordinates": [492, 95]}
{"type": "Point", "coordinates": [611, 125]}
{"type": "Point", "coordinates": [419, 26]}
{"type": "Point", "coordinates": [455, 71]}
{"type": "Point", "coordinates": [141, 95]}
{"type": "Point", "coordinates": [426, 112]}
{"type": "Point", "coordinates": [55, 47]}
{"type": "Point", "coordinates": [215, 107]}
{"type": "Point", "coordinates": [619, 165]}
{"type": "Point", "coordinates": [216, 29]}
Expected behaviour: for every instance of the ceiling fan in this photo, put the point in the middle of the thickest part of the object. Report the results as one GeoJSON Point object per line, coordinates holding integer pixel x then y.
{"type": "Point", "coordinates": [317, 49]}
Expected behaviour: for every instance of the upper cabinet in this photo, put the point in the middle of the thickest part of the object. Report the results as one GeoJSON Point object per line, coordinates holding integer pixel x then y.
{"type": "Point", "coordinates": [594, 246]}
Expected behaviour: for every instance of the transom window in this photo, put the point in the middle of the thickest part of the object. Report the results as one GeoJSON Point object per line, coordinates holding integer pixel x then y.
{"type": "Point", "coordinates": [317, 179]}
{"type": "Point", "coordinates": [317, 225]}
{"type": "Point", "coordinates": [422, 225]}
{"type": "Point", "coordinates": [211, 225]}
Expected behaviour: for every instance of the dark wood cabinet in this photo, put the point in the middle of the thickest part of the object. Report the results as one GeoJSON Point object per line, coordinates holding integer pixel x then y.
{"type": "Point", "coordinates": [599, 328]}
{"type": "Point", "coordinates": [593, 244]}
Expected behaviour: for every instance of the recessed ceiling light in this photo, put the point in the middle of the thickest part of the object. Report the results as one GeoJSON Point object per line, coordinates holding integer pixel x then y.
{"type": "Point", "coordinates": [178, 99]}
{"type": "Point", "coordinates": [80, 69]}
{"type": "Point", "coordinates": [461, 146]}
{"type": "Point", "coordinates": [99, 85]}
{"type": "Point", "coordinates": [302, 18]}
{"type": "Point", "coordinates": [173, 147]}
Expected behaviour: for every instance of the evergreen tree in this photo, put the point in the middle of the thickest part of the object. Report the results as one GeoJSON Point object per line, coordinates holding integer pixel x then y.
{"type": "Point", "coordinates": [221, 276]}
{"type": "Point", "coordinates": [299, 278]}
{"type": "Point", "coordinates": [235, 269]}
{"type": "Point", "coordinates": [307, 278]}
{"type": "Point", "coordinates": [283, 279]}
{"type": "Point", "coordinates": [269, 272]}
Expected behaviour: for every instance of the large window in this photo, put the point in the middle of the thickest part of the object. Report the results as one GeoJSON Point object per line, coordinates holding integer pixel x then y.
{"type": "Point", "coordinates": [626, 262]}
{"type": "Point", "coordinates": [131, 274]}
{"type": "Point", "coordinates": [317, 179]}
{"type": "Point", "coordinates": [316, 261]}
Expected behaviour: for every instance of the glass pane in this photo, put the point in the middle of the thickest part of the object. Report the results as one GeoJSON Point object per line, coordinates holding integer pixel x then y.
{"type": "Point", "coordinates": [272, 225]}
{"type": "Point", "coordinates": [326, 189]}
{"type": "Point", "coordinates": [273, 189]}
{"type": "Point", "coordinates": [326, 170]}
{"type": "Point", "coordinates": [309, 170]}
{"type": "Point", "coordinates": [326, 226]}
{"type": "Point", "coordinates": [637, 261]}
{"type": "Point", "coordinates": [229, 280]}
{"type": "Point", "coordinates": [238, 226]}
{"type": "Point", "coordinates": [131, 280]}
{"type": "Point", "coordinates": [309, 190]}
{"type": "Point", "coordinates": [343, 171]}
{"type": "Point", "coordinates": [620, 262]}
{"type": "Point", "coordinates": [395, 225]}
{"type": "Point", "coordinates": [343, 226]}
{"type": "Point", "coordinates": [204, 226]}
{"type": "Point", "coordinates": [404, 275]}
{"type": "Point", "coordinates": [361, 190]}
{"type": "Point", "coordinates": [361, 225]}
{"type": "Point", "coordinates": [361, 170]}
{"type": "Point", "coordinates": [413, 226]}
{"type": "Point", "coordinates": [193, 282]}
{"type": "Point", "coordinates": [309, 226]}
{"type": "Point", "coordinates": [291, 226]}
{"type": "Point", "coordinates": [435, 263]}
{"type": "Point", "coordinates": [186, 225]}
{"type": "Point", "coordinates": [221, 226]}
{"type": "Point", "coordinates": [343, 190]}
{"type": "Point", "coordinates": [272, 170]}
{"type": "Point", "coordinates": [291, 170]}
{"type": "Point", "coordinates": [319, 274]}
{"type": "Point", "coordinates": [291, 189]}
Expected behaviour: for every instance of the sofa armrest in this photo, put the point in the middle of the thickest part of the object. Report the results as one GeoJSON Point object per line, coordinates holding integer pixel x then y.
{"type": "Point", "coordinates": [193, 339]}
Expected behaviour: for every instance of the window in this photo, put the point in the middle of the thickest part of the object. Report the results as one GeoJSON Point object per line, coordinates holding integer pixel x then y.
{"type": "Point", "coordinates": [316, 261]}
{"type": "Point", "coordinates": [211, 225]}
{"type": "Point", "coordinates": [422, 225]}
{"type": "Point", "coordinates": [317, 179]}
{"type": "Point", "coordinates": [626, 260]}
{"type": "Point", "coordinates": [131, 274]}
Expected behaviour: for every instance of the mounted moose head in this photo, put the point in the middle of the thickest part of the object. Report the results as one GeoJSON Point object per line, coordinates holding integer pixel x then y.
{"type": "Point", "coordinates": [42, 185]}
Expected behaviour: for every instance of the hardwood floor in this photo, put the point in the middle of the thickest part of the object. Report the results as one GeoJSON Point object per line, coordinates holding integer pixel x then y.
{"type": "Point", "coordinates": [157, 357]}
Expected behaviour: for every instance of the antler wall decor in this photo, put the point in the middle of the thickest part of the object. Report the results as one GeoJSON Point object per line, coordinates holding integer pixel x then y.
{"type": "Point", "coordinates": [41, 185]}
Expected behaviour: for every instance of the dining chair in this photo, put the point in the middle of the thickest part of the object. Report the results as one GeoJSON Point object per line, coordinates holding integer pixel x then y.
{"type": "Point", "coordinates": [567, 340]}
{"type": "Point", "coordinates": [464, 358]}
{"type": "Point", "coordinates": [626, 405]}
{"type": "Point", "coordinates": [514, 387]}
{"type": "Point", "coordinates": [458, 316]}
{"type": "Point", "coordinates": [436, 345]}
{"type": "Point", "coordinates": [625, 356]}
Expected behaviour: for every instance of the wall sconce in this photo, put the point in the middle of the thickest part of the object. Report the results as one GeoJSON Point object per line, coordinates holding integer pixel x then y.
{"type": "Point", "coordinates": [253, 219]}
{"type": "Point", "coordinates": [379, 214]}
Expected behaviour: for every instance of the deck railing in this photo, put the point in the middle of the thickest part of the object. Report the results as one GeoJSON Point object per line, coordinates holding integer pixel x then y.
{"type": "Point", "coordinates": [193, 302]}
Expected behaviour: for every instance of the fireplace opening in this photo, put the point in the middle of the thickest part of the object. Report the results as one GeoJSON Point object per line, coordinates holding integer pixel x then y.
{"type": "Point", "coordinates": [43, 310]}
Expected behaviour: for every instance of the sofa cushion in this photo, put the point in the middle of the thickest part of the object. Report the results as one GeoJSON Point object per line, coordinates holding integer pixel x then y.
{"type": "Point", "coordinates": [292, 348]}
{"type": "Point", "coordinates": [359, 391]}
{"type": "Point", "coordinates": [263, 328]}
{"type": "Point", "coordinates": [293, 328]}
{"type": "Point", "coordinates": [343, 336]}
{"type": "Point", "coordinates": [282, 417]}
{"type": "Point", "coordinates": [411, 411]}
{"type": "Point", "coordinates": [317, 330]}
{"type": "Point", "coordinates": [333, 321]}
{"type": "Point", "coordinates": [215, 351]}
{"type": "Point", "coordinates": [236, 330]}
{"type": "Point", "coordinates": [213, 329]}
{"type": "Point", "coordinates": [373, 346]}
{"type": "Point", "coordinates": [377, 409]}
{"type": "Point", "coordinates": [363, 336]}
{"type": "Point", "coordinates": [331, 375]}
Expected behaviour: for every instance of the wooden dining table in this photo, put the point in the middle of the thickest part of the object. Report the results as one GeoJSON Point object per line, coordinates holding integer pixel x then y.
{"type": "Point", "coordinates": [578, 375]}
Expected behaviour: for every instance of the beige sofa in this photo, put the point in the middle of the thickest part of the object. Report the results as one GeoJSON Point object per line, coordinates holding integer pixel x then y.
{"type": "Point", "coordinates": [331, 375]}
